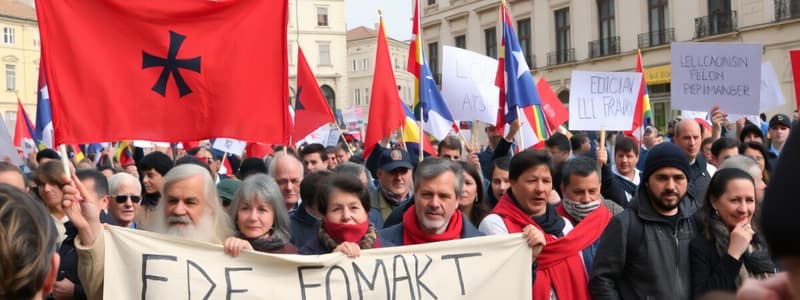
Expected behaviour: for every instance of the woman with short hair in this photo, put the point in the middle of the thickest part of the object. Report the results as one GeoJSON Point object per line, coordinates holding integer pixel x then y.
{"type": "Point", "coordinates": [344, 204]}
{"type": "Point", "coordinates": [28, 258]}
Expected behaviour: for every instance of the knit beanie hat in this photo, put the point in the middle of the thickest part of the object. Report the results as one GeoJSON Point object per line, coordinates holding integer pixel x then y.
{"type": "Point", "coordinates": [665, 155]}
{"type": "Point", "coordinates": [779, 221]}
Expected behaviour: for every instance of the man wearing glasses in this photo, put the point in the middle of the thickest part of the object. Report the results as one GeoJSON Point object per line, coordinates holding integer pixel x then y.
{"type": "Point", "coordinates": [126, 195]}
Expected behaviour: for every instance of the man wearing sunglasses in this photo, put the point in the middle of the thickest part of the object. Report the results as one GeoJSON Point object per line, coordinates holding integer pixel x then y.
{"type": "Point", "coordinates": [126, 195]}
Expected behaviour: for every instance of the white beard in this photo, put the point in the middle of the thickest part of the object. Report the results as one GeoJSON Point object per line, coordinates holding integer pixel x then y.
{"type": "Point", "coordinates": [200, 231]}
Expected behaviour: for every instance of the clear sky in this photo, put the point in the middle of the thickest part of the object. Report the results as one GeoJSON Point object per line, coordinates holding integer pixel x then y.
{"type": "Point", "coordinates": [396, 15]}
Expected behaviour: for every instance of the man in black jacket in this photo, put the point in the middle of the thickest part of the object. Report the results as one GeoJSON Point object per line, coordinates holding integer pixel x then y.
{"type": "Point", "coordinates": [644, 251]}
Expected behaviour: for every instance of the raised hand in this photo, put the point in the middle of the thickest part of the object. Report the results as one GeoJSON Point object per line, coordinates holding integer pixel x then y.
{"type": "Point", "coordinates": [81, 208]}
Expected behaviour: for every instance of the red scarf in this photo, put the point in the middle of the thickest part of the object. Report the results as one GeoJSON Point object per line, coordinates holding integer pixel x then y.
{"type": "Point", "coordinates": [560, 263]}
{"type": "Point", "coordinates": [412, 233]}
{"type": "Point", "coordinates": [346, 232]}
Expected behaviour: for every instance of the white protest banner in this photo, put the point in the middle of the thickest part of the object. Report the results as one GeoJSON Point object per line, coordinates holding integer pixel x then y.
{"type": "Point", "coordinates": [333, 137]}
{"type": "Point", "coordinates": [690, 114]}
{"type": "Point", "coordinates": [771, 94]}
{"type": "Point", "coordinates": [468, 85]}
{"type": "Point", "coordinates": [603, 100]}
{"type": "Point", "coordinates": [7, 145]}
{"type": "Point", "coordinates": [728, 74]}
{"type": "Point", "coordinates": [145, 265]}
{"type": "Point", "coordinates": [229, 145]}
{"type": "Point", "coordinates": [319, 136]}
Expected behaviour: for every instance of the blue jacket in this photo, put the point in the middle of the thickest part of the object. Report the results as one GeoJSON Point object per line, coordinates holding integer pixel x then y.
{"type": "Point", "coordinates": [394, 234]}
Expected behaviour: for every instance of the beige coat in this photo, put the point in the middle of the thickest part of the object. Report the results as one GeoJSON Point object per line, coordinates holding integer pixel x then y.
{"type": "Point", "coordinates": [91, 266]}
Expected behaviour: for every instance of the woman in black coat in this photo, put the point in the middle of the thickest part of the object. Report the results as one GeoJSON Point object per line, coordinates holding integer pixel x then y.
{"type": "Point", "coordinates": [729, 250]}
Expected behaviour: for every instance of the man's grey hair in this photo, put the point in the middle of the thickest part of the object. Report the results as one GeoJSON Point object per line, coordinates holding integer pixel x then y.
{"type": "Point", "coordinates": [281, 156]}
{"type": "Point", "coordinates": [353, 169]}
{"type": "Point", "coordinates": [741, 162]}
{"type": "Point", "coordinates": [261, 188]}
{"type": "Point", "coordinates": [432, 167]}
{"type": "Point", "coordinates": [117, 180]}
{"type": "Point", "coordinates": [220, 221]}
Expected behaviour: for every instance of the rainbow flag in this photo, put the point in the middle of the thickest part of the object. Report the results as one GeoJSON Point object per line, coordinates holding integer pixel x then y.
{"type": "Point", "coordinates": [643, 116]}
{"type": "Point", "coordinates": [412, 134]}
{"type": "Point", "coordinates": [124, 155]}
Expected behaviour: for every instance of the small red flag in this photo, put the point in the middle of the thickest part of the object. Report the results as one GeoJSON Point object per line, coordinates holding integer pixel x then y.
{"type": "Point", "coordinates": [554, 111]}
{"type": "Point", "coordinates": [311, 110]}
{"type": "Point", "coordinates": [386, 113]}
{"type": "Point", "coordinates": [795, 57]}
{"type": "Point", "coordinates": [166, 70]}
{"type": "Point", "coordinates": [258, 150]}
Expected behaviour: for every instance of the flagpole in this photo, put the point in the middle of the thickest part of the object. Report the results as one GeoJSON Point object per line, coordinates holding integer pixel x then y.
{"type": "Point", "coordinates": [521, 140]}
{"type": "Point", "coordinates": [64, 160]}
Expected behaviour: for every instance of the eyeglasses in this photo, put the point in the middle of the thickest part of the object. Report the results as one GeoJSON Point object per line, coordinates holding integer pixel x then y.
{"type": "Point", "coordinates": [124, 198]}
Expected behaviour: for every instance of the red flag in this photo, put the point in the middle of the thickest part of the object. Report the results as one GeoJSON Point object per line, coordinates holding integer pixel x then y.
{"type": "Point", "coordinates": [311, 110]}
{"type": "Point", "coordinates": [23, 131]}
{"type": "Point", "coordinates": [258, 150]}
{"type": "Point", "coordinates": [166, 70]}
{"type": "Point", "coordinates": [386, 113]}
{"type": "Point", "coordinates": [554, 111]}
{"type": "Point", "coordinates": [795, 57]}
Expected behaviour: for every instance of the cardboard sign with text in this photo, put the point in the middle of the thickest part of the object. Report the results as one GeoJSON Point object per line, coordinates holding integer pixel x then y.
{"type": "Point", "coordinates": [728, 74]}
{"type": "Point", "coordinates": [603, 100]}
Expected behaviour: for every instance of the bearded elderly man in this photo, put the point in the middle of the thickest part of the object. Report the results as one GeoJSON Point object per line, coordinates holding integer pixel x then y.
{"type": "Point", "coordinates": [189, 209]}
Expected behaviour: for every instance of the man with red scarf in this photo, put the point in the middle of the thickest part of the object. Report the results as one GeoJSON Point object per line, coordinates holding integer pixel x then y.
{"type": "Point", "coordinates": [434, 216]}
{"type": "Point", "coordinates": [559, 269]}
{"type": "Point", "coordinates": [580, 185]}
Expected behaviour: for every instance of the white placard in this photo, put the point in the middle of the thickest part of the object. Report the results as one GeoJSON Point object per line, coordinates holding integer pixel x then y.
{"type": "Point", "coordinates": [230, 146]}
{"type": "Point", "coordinates": [468, 85]}
{"type": "Point", "coordinates": [728, 74]}
{"type": "Point", "coordinates": [319, 136]}
{"type": "Point", "coordinates": [333, 137]}
{"type": "Point", "coordinates": [7, 145]}
{"type": "Point", "coordinates": [771, 94]}
{"type": "Point", "coordinates": [603, 100]}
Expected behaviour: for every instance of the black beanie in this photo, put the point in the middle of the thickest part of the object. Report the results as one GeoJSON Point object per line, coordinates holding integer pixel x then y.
{"type": "Point", "coordinates": [665, 155]}
{"type": "Point", "coordinates": [779, 221]}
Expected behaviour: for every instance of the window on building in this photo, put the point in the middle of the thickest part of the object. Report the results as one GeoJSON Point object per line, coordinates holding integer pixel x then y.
{"type": "Point", "coordinates": [290, 53]}
{"type": "Point", "coordinates": [431, 2]}
{"type": "Point", "coordinates": [36, 42]}
{"type": "Point", "coordinates": [366, 96]}
{"type": "Point", "coordinates": [11, 77]}
{"type": "Point", "coordinates": [433, 59]}
{"type": "Point", "coordinates": [659, 19]}
{"type": "Point", "coordinates": [357, 96]}
{"type": "Point", "coordinates": [322, 16]}
{"type": "Point", "coordinates": [524, 36]}
{"type": "Point", "coordinates": [365, 63]}
{"type": "Point", "coordinates": [8, 35]}
{"type": "Point", "coordinates": [324, 54]}
{"type": "Point", "coordinates": [606, 18]}
{"type": "Point", "coordinates": [461, 41]}
{"type": "Point", "coordinates": [490, 39]}
{"type": "Point", "coordinates": [563, 43]}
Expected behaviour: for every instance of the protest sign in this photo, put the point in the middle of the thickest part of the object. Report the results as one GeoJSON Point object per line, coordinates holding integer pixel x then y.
{"type": "Point", "coordinates": [333, 137]}
{"type": "Point", "coordinates": [603, 100]}
{"type": "Point", "coordinates": [319, 136]}
{"type": "Point", "coordinates": [145, 265]}
{"type": "Point", "coordinates": [704, 74]}
{"type": "Point", "coordinates": [7, 145]}
{"type": "Point", "coordinates": [771, 94]}
{"type": "Point", "coordinates": [229, 145]}
{"type": "Point", "coordinates": [468, 85]}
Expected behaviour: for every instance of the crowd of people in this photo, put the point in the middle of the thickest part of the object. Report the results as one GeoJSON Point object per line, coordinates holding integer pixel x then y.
{"type": "Point", "coordinates": [676, 216]}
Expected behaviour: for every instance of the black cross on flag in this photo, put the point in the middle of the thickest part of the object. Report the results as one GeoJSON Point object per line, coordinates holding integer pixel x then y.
{"type": "Point", "coordinates": [172, 65]}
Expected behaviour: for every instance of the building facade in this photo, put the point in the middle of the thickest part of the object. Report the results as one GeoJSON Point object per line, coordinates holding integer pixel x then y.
{"type": "Point", "coordinates": [318, 27]}
{"type": "Point", "coordinates": [559, 36]}
{"type": "Point", "coordinates": [19, 59]}
{"type": "Point", "coordinates": [362, 43]}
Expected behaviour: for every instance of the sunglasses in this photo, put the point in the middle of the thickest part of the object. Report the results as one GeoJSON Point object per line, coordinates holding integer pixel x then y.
{"type": "Point", "coordinates": [123, 198]}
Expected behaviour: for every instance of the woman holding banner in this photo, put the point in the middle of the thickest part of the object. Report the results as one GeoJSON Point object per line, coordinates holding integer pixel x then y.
{"type": "Point", "coordinates": [260, 218]}
{"type": "Point", "coordinates": [344, 202]}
